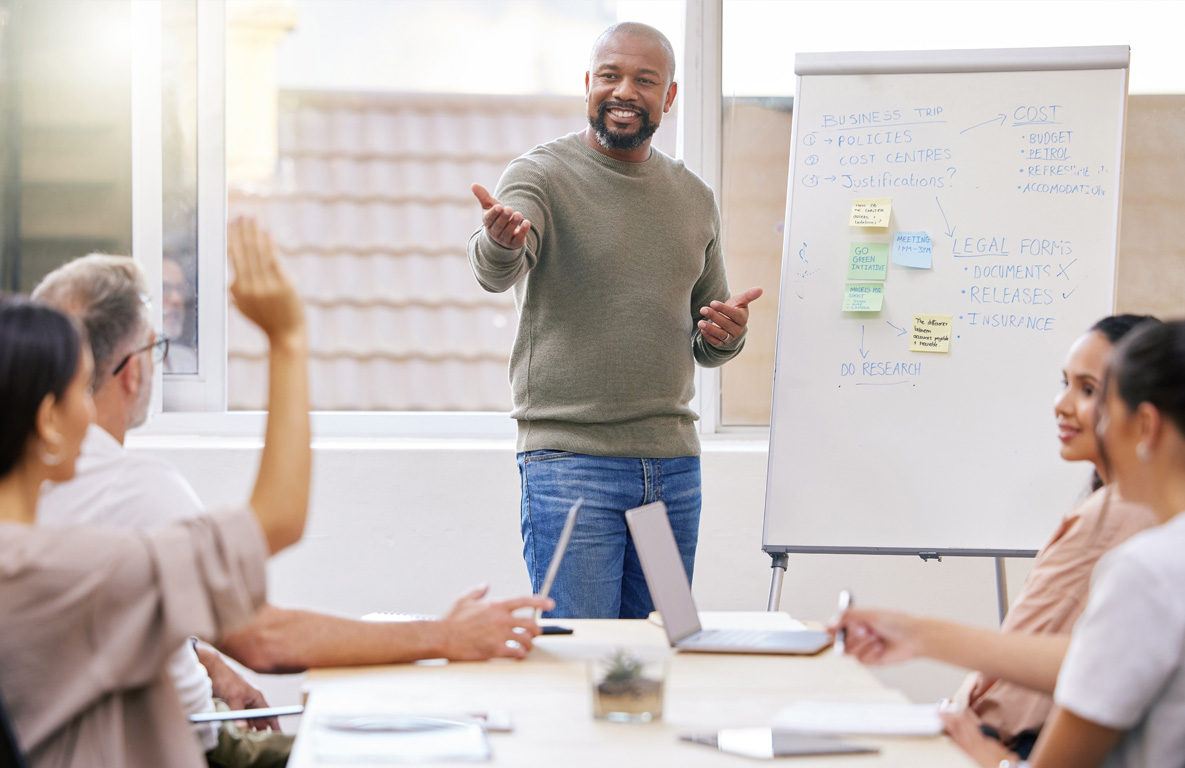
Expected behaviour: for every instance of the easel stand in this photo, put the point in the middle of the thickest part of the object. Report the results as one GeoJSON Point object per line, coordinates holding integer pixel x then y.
{"type": "Point", "coordinates": [780, 558]}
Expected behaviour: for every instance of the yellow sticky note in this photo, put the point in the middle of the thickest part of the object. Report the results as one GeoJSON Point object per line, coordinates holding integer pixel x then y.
{"type": "Point", "coordinates": [930, 333]}
{"type": "Point", "coordinates": [871, 212]}
{"type": "Point", "coordinates": [863, 297]}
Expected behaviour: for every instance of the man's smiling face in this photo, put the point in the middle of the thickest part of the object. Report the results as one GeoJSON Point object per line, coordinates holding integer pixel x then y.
{"type": "Point", "coordinates": [628, 88]}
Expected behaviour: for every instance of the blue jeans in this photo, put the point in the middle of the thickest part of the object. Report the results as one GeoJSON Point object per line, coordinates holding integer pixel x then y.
{"type": "Point", "coordinates": [600, 576]}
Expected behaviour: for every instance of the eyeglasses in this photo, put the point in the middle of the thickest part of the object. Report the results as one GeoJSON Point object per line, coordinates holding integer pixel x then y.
{"type": "Point", "coordinates": [159, 347]}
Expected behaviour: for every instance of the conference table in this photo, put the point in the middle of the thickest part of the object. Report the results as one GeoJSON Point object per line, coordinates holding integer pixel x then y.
{"type": "Point", "coordinates": [549, 702]}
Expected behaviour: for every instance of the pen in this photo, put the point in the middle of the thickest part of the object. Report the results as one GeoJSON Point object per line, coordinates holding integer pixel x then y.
{"type": "Point", "coordinates": [845, 602]}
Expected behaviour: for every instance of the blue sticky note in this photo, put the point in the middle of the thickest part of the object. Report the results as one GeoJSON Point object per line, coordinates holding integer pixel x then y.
{"type": "Point", "coordinates": [912, 249]}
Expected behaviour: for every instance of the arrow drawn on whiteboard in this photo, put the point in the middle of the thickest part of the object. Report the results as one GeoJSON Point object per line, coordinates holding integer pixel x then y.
{"type": "Point", "coordinates": [900, 331]}
{"type": "Point", "coordinates": [863, 352]}
{"type": "Point", "coordinates": [950, 231]}
{"type": "Point", "coordinates": [1000, 116]}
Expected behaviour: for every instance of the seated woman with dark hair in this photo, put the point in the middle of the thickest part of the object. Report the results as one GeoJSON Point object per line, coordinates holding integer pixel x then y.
{"type": "Point", "coordinates": [1055, 593]}
{"type": "Point", "coordinates": [1120, 678]}
{"type": "Point", "coordinates": [91, 615]}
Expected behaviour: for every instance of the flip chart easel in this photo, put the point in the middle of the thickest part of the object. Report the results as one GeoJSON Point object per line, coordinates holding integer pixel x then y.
{"type": "Point", "coordinates": [911, 407]}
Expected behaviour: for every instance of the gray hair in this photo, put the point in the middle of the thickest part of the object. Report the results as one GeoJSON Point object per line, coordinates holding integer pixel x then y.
{"type": "Point", "coordinates": [636, 29]}
{"type": "Point", "coordinates": [109, 295]}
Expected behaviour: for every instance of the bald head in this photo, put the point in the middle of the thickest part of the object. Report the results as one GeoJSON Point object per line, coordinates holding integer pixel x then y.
{"type": "Point", "coordinates": [632, 29]}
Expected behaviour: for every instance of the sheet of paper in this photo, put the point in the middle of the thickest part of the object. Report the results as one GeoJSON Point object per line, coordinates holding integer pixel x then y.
{"type": "Point", "coordinates": [930, 333]}
{"type": "Point", "coordinates": [352, 722]}
{"type": "Point", "coordinates": [863, 297]}
{"type": "Point", "coordinates": [912, 249]}
{"type": "Point", "coordinates": [387, 739]}
{"type": "Point", "coordinates": [859, 718]}
{"type": "Point", "coordinates": [868, 261]}
{"type": "Point", "coordinates": [871, 212]}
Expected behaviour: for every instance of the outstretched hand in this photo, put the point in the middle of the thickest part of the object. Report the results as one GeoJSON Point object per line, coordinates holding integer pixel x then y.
{"type": "Point", "coordinates": [504, 225]}
{"type": "Point", "coordinates": [478, 629]}
{"type": "Point", "coordinates": [726, 320]}
{"type": "Point", "coordinates": [261, 289]}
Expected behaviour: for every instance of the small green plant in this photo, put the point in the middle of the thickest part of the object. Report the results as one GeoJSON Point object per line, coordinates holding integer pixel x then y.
{"type": "Point", "coordinates": [623, 667]}
{"type": "Point", "coordinates": [627, 687]}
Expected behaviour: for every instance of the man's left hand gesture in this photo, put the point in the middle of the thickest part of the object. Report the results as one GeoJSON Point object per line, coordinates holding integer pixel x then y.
{"type": "Point", "coordinates": [726, 320]}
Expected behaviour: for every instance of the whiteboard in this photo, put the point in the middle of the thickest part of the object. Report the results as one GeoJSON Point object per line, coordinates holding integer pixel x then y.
{"type": "Point", "coordinates": [1010, 161]}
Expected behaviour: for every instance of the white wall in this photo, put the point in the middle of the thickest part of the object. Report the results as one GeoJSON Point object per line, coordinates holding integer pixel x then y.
{"type": "Point", "coordinates": [406, 525]}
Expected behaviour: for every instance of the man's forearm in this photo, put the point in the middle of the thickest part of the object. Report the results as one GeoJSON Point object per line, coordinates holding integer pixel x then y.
{"type": "Point", "coordinates": [282, 640]}
{"type": "Point", "coordinates": [1029, 660]}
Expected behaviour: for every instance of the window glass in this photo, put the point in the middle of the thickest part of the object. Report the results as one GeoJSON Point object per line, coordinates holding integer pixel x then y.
{"type": "Point", "coordinates": [179, 264]}
{"type": "Point", "coordinates": [354, 131]}
{"type": "Point", "coordinates": [65, 135]}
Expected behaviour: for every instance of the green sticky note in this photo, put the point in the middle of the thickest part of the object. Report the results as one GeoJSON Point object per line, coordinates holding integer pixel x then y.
{"type": "Point", "coordinates": [868, 261]}
{"type": "Point", "coordinates": [863, 297]}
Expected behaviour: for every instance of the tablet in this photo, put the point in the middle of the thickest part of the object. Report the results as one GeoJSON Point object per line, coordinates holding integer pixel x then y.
{"type": "Point", "coordinates": [560, 547]}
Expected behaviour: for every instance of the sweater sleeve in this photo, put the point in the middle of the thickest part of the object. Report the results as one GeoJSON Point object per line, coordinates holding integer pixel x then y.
{"type": "Point", "coordinates": [712, 286]}
{"type": "Point", "coordinates": [523, 187]}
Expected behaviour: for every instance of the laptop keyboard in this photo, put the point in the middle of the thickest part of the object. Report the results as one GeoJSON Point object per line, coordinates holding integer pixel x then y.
{"type": "Point", "coordinates": [741, 638]}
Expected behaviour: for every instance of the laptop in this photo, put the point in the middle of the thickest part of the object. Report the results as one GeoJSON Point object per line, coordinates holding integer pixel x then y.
{"type": "Point", "coordinates": [671, 592]}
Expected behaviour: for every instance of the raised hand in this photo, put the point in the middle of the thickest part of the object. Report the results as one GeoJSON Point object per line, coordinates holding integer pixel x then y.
{"type": "Point", "coordinates": [726, 320]}
{"type": "Point", "coordinates": [261, 289]}
{"type": "Point", "coordinates": [479, 629]}
{"type": "Point", "coordinates": [266, 297]}
{"type": "Point", "coordinates": [505, 226]}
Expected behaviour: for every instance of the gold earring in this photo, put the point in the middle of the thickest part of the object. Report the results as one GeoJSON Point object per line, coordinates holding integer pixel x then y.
{"type": "Point", "coordinates": [1142, 452]}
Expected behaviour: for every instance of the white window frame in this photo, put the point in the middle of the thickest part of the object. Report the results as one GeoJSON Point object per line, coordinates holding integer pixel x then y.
{"type": "Point", "coordinates": [197, 404]}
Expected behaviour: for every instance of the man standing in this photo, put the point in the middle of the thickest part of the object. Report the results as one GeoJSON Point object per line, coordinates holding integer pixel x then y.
{"type": "Point", "coordinates": [614, 253]}
{"type": "Point", "coordinates": [115, 488]}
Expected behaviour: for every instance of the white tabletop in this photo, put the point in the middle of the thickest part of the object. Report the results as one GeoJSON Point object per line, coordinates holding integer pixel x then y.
{"type": "Point", "coordinates": [548, 697]}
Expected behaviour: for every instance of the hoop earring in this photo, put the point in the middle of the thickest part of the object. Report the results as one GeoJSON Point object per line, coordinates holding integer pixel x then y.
{"type": "Point", "coordinates": [1142, 452]}
{"type": "Point", "coordinates": [49, 459]}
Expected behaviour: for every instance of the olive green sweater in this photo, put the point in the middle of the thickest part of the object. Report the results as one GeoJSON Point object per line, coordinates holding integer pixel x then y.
{"type": "Point", "coordinates": [619, 260]}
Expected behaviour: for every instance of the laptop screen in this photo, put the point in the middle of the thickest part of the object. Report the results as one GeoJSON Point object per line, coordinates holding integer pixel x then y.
{"type": "Point", "coordinates": [663, 567]}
